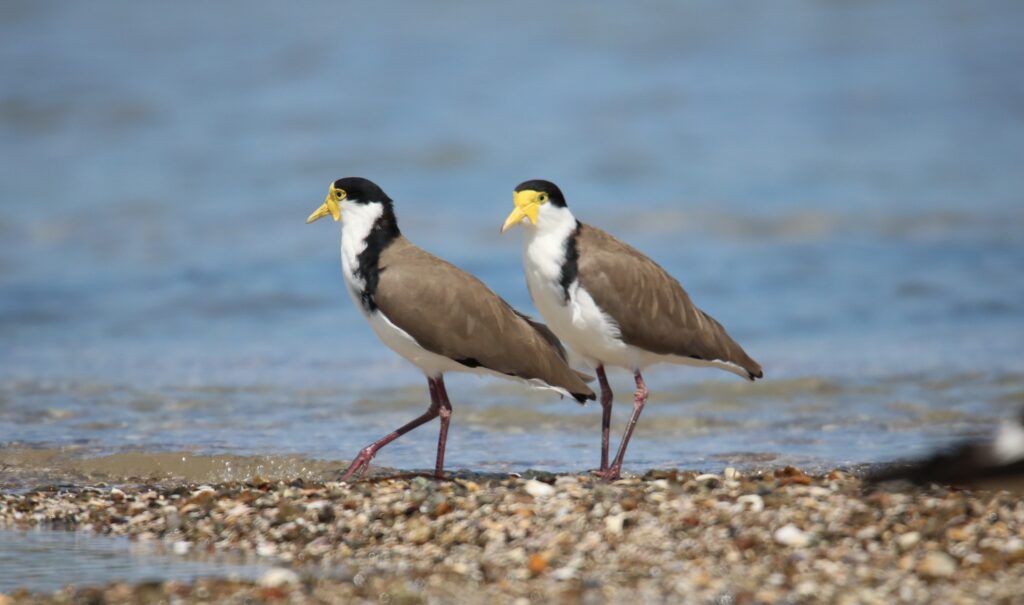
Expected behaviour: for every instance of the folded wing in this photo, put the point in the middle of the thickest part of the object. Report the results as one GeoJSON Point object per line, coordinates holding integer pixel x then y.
{"type": "Point", "coordinates": [452, 313]}
{"type": "Point", "coordinates": [652, 310]}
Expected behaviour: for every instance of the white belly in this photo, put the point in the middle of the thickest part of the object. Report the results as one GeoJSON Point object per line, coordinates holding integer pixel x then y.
{"type": "Point", "coordinates": [399, 341]}
{"type": "Point", "coordinates": [578, 322]}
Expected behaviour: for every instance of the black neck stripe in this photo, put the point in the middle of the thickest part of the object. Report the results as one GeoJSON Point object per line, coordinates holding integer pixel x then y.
{"type": "Point", "coordinates": [570, 267]}
{"type": "Point", "coordinates": [384, 231]}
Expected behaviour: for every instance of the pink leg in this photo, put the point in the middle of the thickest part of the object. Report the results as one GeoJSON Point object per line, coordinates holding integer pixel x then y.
{"type": "Point", "coordinates": [446, 413]}
{"type": "Point", "coordinates": [606, 415]}
{"type": "Point", "coordinates": [362, 460]}
{"type": "Point", "coordinates": [639, 398]}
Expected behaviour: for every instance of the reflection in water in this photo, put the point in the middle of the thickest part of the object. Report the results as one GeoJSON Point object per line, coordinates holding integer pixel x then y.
{"type": "Point", "coordinates": [45, 560]}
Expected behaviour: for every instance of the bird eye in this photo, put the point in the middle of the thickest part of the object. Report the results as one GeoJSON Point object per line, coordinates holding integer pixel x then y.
{"type": "Point", "coordinates": [340, 193]}
{"type": "Point", "coordinates": [543, 197]}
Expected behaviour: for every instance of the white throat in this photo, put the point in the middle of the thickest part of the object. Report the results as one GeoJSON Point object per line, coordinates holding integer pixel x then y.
{"type": "Point", "coordinates": [357, 220]}
{"type": "Point", "coordinates": [544, 243]}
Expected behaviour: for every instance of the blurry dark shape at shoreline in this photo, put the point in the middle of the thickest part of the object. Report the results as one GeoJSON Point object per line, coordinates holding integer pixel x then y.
{"type": "Point", "coordinates": [996, 463]}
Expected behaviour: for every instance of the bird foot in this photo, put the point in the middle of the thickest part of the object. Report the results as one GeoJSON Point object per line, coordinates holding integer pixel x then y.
{"type": "Point", "coordinates": [612, 473]}
{"type": "Point", "coordinates": [360, 465]}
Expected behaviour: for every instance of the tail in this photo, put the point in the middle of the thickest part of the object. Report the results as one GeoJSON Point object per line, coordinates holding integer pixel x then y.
{"type": "Point", "coordinates": [754, 371]}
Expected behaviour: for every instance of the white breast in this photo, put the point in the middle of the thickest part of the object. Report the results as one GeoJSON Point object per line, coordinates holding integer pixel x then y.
{"type": "Point", "coordinates": [578, 321]}
{"type": "Point", "coordinates": [358, 222]}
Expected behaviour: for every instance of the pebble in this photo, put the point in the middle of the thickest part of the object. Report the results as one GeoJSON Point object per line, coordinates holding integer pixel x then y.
{"type": "Point", "coordinates": [791, 535]}
{"type": "Point", "coordinates": [908, 540]}
{"type": "Point", "coordinates": [615, 523]}
{"type": "Point", "coordinates": [181, 548]}
{"type": "Point", "coordinates": [276, 577]}
{"type": "Point", "coordinates": [937, 565]}
{"type": "Point", "coordinates": [539, 489]}
{"type": "Point", "coordinates": [753, 502]}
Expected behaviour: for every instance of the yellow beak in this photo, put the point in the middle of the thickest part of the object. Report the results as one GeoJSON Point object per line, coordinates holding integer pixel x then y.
{"type": "Point", "coordinates": [526, 207]}
{"type": "Point", "coordinates": [330, 206]}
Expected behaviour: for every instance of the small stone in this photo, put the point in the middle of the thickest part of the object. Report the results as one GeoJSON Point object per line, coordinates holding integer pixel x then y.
{"type": "Point", "coordinates": [937, 564]}
{"type": "Point", "coordinates": [869, 532]}
{"type": "Point", "coordinates": [754, 502]}
{"type": "Point", "coordinates": [181, 547]}
{"type": "Point", "coordinates": [420, 534]}
{"type": "Point", "coordinates": [908, 540]}
{"type": "Point", "coordinates": [614, 523]}
{"type": "Point", "coordinates": [807, 588]}
{"type": "Point", "coordinates": [116, 495]}
{"type": "Point", "coordinates": [537, 563]}
{"type": "Point", "coordinates": [791, 535]}
{"type": "Point", "coordinates": [564, 573]}
{"type": "Point", "coordinates": [538, 489]}
{"type": "Point", "coordinates": [277, 577]}
{"type": "Point", "coordinates": [730, 474]}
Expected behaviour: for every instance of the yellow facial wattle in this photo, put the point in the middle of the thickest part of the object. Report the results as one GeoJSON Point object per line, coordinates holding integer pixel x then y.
{"type": "Point", "coordinates": [527, 205]}
{"type": "Point", "coordinates": [330, 206]}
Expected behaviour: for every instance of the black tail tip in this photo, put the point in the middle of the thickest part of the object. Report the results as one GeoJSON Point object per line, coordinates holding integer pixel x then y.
{"type": "Point", "coordinates": [755, 375]}
{"type": "Point", "coordinates": [584, 397]}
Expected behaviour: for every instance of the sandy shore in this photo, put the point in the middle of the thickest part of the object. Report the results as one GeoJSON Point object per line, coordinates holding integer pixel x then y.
{"type": "Point", "coordinates": [776, 536]}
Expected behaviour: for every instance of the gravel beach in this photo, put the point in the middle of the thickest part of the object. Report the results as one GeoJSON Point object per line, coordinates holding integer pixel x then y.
{"type": "Point", "coordinates": [767, 537]}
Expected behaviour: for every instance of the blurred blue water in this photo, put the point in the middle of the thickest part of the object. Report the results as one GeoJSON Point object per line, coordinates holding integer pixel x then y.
{"type": "Point", "coordinates": [43, 560]}
{"type": "Point", "coordinates": [838, 183]}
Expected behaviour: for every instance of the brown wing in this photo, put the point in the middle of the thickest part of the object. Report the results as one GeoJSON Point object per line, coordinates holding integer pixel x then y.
{"type": "Point", "coordinates": [653, 311]}
{"type": "Point", "coordinates": [452, 313]}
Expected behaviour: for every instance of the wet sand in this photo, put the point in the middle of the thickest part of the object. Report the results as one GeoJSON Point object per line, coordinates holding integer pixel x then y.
{"type": "Point", "coordinates": [776, 535]}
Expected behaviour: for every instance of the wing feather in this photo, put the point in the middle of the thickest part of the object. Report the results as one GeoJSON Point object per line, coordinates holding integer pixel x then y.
{"type": "Point", "coordinates": [652, 309]}
{"type": "Point", "coordinates": [452, 313]}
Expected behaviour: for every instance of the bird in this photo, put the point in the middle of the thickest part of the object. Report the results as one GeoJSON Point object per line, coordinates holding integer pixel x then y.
{"type": "Point", "coordinates": [612, 305]}
{"type": "Point", "coordinates": [435, 315]}
{"type": "Point", "coordinates": [996, 462]}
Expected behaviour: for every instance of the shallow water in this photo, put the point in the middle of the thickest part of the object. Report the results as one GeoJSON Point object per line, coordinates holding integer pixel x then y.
{"type": "Point", "coordinates": [46, 560]}
{"type": "Point", "coordinates": [838, 183]}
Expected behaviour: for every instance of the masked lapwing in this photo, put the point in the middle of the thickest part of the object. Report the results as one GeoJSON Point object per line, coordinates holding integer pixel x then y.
{"type": "Point", "coordinates": [612, 305]}
{"type": "Point", "coordinates": [432, 313]}
{"type": "Point", "coordinates": [995, 462]}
